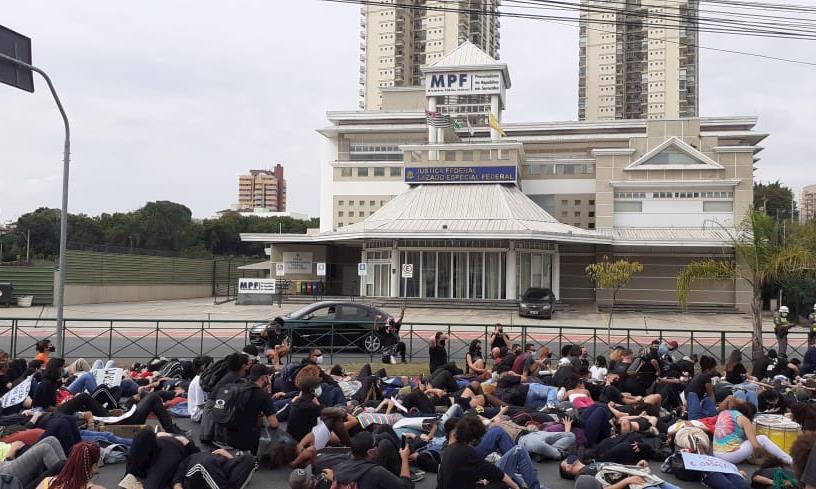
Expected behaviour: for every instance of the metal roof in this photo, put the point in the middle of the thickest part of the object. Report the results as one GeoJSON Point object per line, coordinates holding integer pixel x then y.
{"type": "Point", "coordinates": [671, 236]}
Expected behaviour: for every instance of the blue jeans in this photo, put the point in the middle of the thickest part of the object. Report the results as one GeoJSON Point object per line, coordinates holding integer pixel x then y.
{"type": "Point", "coordinates": [517, 460]}
{"type": "Point", "coordinates": [540, 395]}
{"type": "Point", "coordinates": [748, 396]}
{"type": "Point", "coordinates": [666, 485]}
{"type": "Point", "coordinates": [700, 409]}
{"type": "Point", "coordinates": [99, 365]}
{"type": "Point", "coordinates": [495, 440]}
{"type": "Point", "coordinates": [84, 382]}
{"type": "Point", "coordinates": [716, 480]}
{"type": "Point", "coordinates": [109, 437]}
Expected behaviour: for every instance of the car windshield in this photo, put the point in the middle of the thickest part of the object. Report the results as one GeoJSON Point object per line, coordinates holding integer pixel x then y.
{"type": "Point", "coordinates": [537, 294]}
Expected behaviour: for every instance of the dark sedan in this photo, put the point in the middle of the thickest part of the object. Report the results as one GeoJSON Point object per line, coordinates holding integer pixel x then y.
{"type": "Point", "coordinates": [537, 302]}
{"type": "Point", "coordinates": [355, 327]}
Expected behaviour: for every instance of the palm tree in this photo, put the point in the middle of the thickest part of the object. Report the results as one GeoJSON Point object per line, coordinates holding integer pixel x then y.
{"type": "Point", "coordinates": [762, 259]}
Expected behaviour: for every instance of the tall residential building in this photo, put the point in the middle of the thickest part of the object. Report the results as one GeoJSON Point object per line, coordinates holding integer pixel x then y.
{"type": "Point", "coordinates": [807, 204]}
{"type": "Point", "coordinates": [638, 59]}
{"type": "Point", "coordinates": [263, 189]}
{"type": "Point", "coordinates": [396, 42]}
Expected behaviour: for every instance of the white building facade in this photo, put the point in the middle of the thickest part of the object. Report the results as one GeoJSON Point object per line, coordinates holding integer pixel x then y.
{"type": "Point", "coordinates": [463, 212]}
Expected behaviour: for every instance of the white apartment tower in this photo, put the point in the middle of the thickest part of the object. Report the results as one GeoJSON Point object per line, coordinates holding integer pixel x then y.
{"type": "Point", "coordinates": [638, 59]}
{"type": "Point", "coordinates": [396, 42]}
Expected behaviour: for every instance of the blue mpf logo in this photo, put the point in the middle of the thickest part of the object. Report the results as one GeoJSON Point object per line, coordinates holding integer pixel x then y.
{"type": "Point", "coordinates": [449, 80]}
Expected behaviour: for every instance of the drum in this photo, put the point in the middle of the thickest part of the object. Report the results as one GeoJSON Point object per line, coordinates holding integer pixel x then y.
{"type": "Point", "coordinates": [779, 429]}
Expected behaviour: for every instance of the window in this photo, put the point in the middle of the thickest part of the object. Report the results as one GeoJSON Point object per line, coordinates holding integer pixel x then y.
{"type": "Point", "coordinates": [577, 202]}
{"type": "Point", "coordinates": [340, 214]}
{"type": "Point", "coordinates": [591, 213]}
{"type": "Point", "coordinates": [361, 213]}
{"type": "Point", "coordinates": [340, 203]}
{"type": "Point", "coordinates": [564, 202]}
{"type": "Point", "coordinates": [591, 225]}
{"type": "Point", "coordinates": [718, 206]}
{"type": "Point", "coordinates": [379, 171]}
{"type": "Point", "coordinates": [534, 169]}
{"type": "Point", "coordinates": [351, 203]}
{"type": "Point", "coordinates": [577, 213]}
{"type": "Point", "coordinates": [467, 156]}
{"type": "Point", "coordinates": [591, 202]}
{"type": "Point", "coordinates": [628, 206]}
{"type": "Point", "coordinates": [484, 155]}
{"type": "Point", "coordinates": [339, 224]}
{"type": "Point", "coordinates": [362, 171]}
{"type": "Point", "coordinates": [563, 213]}
{"type": "Point", "coordinates": [345, 172]}
{"type": "Point", "coordinates": [449, 155]}
{"type": "Point", "coordinates": [549, 169]}
{"type": "Point", "coordinates": [372, 203]}
{"type": "Point", "coordinates": [362, 203]}
{"type": "Point", "coordinates": [395, 171]}
{"type": "Point", "coordinates": [569, 169]}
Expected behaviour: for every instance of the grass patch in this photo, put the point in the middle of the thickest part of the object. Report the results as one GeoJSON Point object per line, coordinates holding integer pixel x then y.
{"type": "Point", "coordinates": [391, 369]}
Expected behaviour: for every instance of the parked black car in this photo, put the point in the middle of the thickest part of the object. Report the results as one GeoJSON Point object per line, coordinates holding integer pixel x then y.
{"type": "Point", "coordinates": [311, 327]}
{"type": "Point", "coordinates": [537, 302]}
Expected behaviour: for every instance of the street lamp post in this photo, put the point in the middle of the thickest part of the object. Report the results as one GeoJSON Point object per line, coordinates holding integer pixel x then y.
{"type": "Point", "coordinates": [60, 299]}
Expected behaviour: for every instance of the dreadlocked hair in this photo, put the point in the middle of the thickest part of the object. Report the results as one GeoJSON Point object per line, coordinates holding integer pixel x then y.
{"type": "Point", "coordinates": [79, 468]}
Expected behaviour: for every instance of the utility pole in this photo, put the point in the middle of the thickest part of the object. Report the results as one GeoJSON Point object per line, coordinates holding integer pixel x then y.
{"type": "Point", "coordinates": [28, 246]}
{"type": "Point", "coordinates": [20, 60]}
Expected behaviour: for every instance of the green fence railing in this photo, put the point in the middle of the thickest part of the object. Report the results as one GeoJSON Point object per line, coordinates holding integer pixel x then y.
{"type": "Point", "coordinates": [347, 341]}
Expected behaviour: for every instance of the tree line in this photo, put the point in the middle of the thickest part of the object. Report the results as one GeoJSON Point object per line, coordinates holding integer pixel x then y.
{"type": "Point", "coordinates": [161, 226]}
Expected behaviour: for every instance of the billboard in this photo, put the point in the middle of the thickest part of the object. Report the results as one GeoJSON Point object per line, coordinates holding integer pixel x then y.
{"type": "Point", "coordinates": [464, 83]}
{"type": "Point", "coordinates": [460, 174]}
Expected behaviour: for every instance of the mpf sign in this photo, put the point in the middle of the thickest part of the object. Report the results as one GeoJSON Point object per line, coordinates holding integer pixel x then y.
{"type": "Point", "coordinates": [463, 83]}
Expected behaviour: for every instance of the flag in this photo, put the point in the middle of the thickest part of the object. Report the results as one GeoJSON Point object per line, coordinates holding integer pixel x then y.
{"type": "Point", "coordinates": [436, 119]}
{"type": "Point", "coordinates": [494, 123]}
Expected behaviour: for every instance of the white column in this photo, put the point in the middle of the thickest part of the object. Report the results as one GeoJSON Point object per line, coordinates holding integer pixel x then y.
{"type": "Point", "coordinates": [363, 278]}
{"type": "Point", "coordinates": [395, 270]}
{"type": "Point", "coordinates": [432, 134]}
{"type": "Point", "coordinates": [556, 274]}
{"type": "Point", "coordinates": [494, 109]}
{"type": "Point", "coordinates": [510, 274]}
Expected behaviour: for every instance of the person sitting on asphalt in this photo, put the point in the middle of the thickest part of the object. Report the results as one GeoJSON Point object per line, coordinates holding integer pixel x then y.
{"type": "Point", "coordinates": [474, 361]}
{"type": "Point", "coordinates": [276, 342]}
{"type": "Point", "coordinates": [218, 469]}
{"type": "Point", "coordinates": [78, 471]}
{"type": "Point", "coordinates": [361, 466]}
{"type": "Point", "coordinates": [437, 354]}
{"type": "Point", "coordinates": [244, 432]}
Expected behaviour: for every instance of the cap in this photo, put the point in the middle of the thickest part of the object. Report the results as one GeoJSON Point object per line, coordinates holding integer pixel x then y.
{"type": "Point", "coordinates": [673, 344]}
{"type": "Point", "coordinates": [301, 478]}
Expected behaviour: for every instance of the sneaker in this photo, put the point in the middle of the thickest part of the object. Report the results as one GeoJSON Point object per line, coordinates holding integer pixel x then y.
{"type": "Point", "coordinates": [417, 475]}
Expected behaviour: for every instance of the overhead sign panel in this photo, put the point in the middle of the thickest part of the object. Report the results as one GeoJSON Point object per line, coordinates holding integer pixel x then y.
{"type": "Point", "coordinates": [297, 262]}
{"type": "Point", "coordinates": [463, 83]}
{"type": "Point", "coordinates": [460, 174]}
{"type": "Point", "coordinates": [17, 46]}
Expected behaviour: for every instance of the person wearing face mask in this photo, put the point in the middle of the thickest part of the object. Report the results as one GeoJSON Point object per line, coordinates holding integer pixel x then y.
{"type": "Point", "coordinates": [474, 361]}
{"type": "Point", "coordinates": [437, 352]}
{"type": "Point", "coordinates": [305, 409]}
{"type": "Point", "coordinates": [315, 357]}
{"type": "Point", "coordinates": [245, 431]}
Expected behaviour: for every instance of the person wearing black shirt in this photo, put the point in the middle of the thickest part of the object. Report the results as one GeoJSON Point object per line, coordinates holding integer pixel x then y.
{"type": "Point", "coordinates": [362, 468]}
{"type": "Point", "coordinates": [437, 352]}
{"type": "Point", "coordinates": [735, 372]}
{"type": "Point", "coordinates": [503, 360]}
{"type": "Point", "coordinates": [392, 345]}
{"type": "Point", "coordinates": [463, 468]}
{"type": "Point", "coordinates": [499, 339]}
{"type": "Point", "coordinates": [245, 432]}
{"type": "Point", "coordinates": [221, 468]}
{"type": "Point", "coordinates": [418, 401]}
{"type": "Point", "coordinates": [277, 343]}
{"type": "Point", "coordinates": [305, 409]}
{"type": "Point", "coordinates": [765, 365]}
{"type": "Point", "coordinates": [700, 399]}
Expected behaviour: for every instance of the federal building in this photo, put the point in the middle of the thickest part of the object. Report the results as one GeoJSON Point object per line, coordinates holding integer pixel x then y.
{"type": "Point", "coordinates": [436, 196]}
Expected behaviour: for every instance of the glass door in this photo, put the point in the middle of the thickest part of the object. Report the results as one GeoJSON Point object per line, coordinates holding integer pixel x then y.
{"type": "Point", "coordinates": [444, 276]}
{"type": "Point", "coordinates": [428, 281]}
{"type": "Point", "coordinates": [476, 274]}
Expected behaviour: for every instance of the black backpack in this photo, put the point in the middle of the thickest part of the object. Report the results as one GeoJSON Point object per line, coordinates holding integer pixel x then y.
{"type": "Point", "coordinates": [230, 400]}
{"type": "Point", "coordinates": [674, 465]}
{"type": "Point", "coordinates": [212, 374]}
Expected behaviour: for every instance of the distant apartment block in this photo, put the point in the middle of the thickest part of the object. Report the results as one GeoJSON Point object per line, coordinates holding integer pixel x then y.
{"type": "Point", "coordinates": [807, 204]}
{"type": "Point", "coordinates": [396, 42]}
{"type": "Point", "coordinates": [263, 189]}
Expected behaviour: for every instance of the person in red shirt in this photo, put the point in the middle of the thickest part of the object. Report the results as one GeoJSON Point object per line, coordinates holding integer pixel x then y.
{"type": "Point", "coordinates": [518, 363]}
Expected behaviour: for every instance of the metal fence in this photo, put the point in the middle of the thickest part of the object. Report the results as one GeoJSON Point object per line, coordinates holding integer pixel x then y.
{"type": "Point", "coordinates": [139, 339]}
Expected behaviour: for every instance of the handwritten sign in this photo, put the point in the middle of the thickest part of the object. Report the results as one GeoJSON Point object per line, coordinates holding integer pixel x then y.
{"type": "Point", "coordinates": [707, 463]}
{"type": "Point", "coordinates": [17, 394]}
{"type": "Point", "coordinates": [111, 377]}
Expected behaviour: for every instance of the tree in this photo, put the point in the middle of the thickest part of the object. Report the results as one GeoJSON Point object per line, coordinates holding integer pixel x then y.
{"type": "Point", "coordinates": [614, 276]}
{"type": "Point", "coordinates": [775, 199]}
{"type": "Point", "coordinates": [762, 259]}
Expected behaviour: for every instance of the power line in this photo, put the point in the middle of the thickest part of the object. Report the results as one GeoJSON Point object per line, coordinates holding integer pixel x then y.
{"type": "Point", "coordinates": [556, 20]}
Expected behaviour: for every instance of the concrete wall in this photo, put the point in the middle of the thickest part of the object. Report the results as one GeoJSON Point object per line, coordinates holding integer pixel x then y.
{"type": "Point", "coordinates": [97, 294]}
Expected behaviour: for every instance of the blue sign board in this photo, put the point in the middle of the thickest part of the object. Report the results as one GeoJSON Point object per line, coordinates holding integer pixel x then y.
{"type": "Point", "coordinates": [460, 174]}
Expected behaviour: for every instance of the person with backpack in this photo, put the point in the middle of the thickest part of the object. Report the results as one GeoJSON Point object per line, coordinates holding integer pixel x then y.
{"type": "Point", "coordinates": [225, 371]}
{"type": "Point", "coordinates": [361, 472]}
{"type": "Point", "coordinates": [238, 406]}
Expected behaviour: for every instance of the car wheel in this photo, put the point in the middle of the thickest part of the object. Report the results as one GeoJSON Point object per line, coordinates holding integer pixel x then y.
{"type": "Point", "coordinates": [372, 343]}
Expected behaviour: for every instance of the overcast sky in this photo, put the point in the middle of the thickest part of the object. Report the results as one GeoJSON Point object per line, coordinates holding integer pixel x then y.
{"type": "Point", "coordinates": [173, 100]}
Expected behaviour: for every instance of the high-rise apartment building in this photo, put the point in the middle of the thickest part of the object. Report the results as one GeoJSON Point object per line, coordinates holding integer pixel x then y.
{"type": "Point", "coordinates": [264, 189]}
{"type": "Point", "coordinates": [396, 42]}
{"type": "Point", "coordinates": [638, 59]}
{"type": "Point", "coordinates": [807, 204]}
